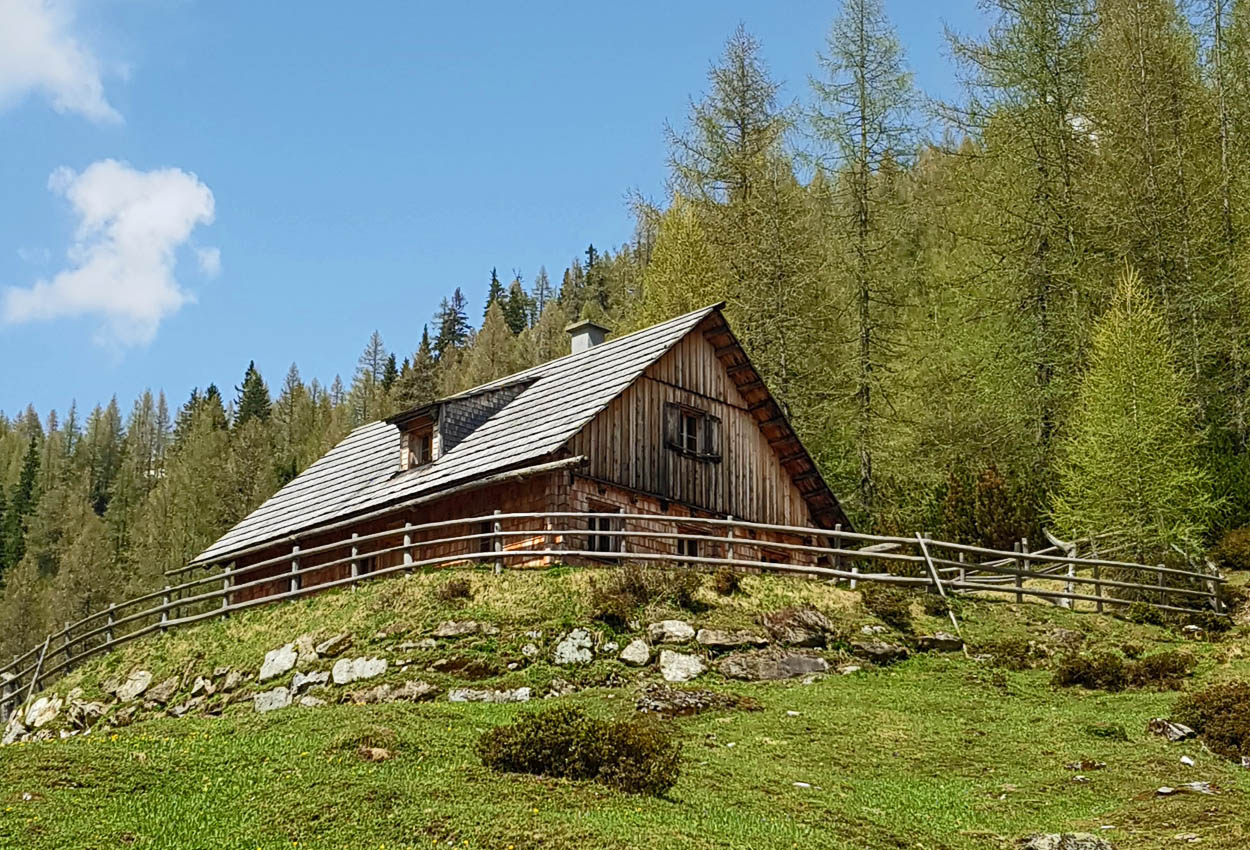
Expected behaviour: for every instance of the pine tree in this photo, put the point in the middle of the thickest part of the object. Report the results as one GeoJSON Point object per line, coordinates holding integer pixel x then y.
{"type": "Point", "coordinates": [368, 394]}
{"type": "Point", "coordinates": [1130, 457]}
{"type": "Point", "coordinates": [516, 307]}
{"type": "Point", "coordinates": [253, 397]}
{"type": "Point", "coordinates": [495, 292]}
{"type": "Point", "coordinates": [493, 353]}
{"type": "Point", "coordinates": [452, 323]}
{"type": "Point", "coordinates": [22, 503]}
{"type": "Point", "coordinates": [542, 293]}
{"type": "Point", "coordinates": [418, 384]}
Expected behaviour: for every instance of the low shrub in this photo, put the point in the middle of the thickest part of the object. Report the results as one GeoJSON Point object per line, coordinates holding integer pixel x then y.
{"type": "Point", "coordinates": [638, 755]}
{"type": "Point", "coordinates": [456, 588]}
{"type": "Point", "coordinates": [1108, 731]}
{"type": "Point", "coordinates": [365, 737]}
{"type": "Point", "coordinates": [1011, 653]}
{"type": "Point", "coordinates": [890, 605]}
{"type": "Point", "coordinates": [617, 595]}
{"type": "Point", "coordinates": [726, 582]}
{"type": "Point", "coordinates": [1221, 715]}
{"type": "Point", "coordinates": [1097, 671]}
{"type": "Point", "coordinates": [1145, 614]}
{"type": "Point", "coordinates": [1110, 671]}
{"type": "Point", "coordinates": [935, 605]}
{"type": "Point", "coordinates": [1233, 550]}
{"type": "Point", "coordinates": [1210, 622]}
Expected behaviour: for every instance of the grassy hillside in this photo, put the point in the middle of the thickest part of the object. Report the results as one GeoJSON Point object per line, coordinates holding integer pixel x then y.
{"type": "Point", "coordinates": [937, 751]}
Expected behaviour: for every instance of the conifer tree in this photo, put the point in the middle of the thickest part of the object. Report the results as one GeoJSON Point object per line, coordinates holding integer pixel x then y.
{"type": "Point", "coordinates": [418, 384]}
{"type": "Point", "coordinates": [368, 394]}
{"type": "Point", "coordinates": [516, 307]}
{"type": "Point", "coordinates": [389, 372]}
{"type": "Point", "coordinates": [22, 503]}
{"type": "Point", "coordinates": [542, 293]}
{"type": "Point", "coordinates": [495, 292]}
{"type": "Point", "coordinates": [253, 397]}
{"type": "Point", "coordinates": [452, 324]}
{"type": "Point", "coordinates": [493, 353]}
{"type": "Point", "coordinates": [1130, 462]}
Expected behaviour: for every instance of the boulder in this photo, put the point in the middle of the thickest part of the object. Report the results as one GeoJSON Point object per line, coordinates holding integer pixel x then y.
{"type": "Point", "coordinates": [203, 687]}
{"type": "Point", "coordinates": [414, 690]}
{"type": "Point", "coordinates": [473, 695]}
{"type": "Point", "coordinates": [334, 646]}
{"type": "Point", "coordinates": [939, 642]}
{"type": "Point", "coordinates": [110, 685]}
{"type": "Point", "coordinates": [721, 639]}
{"type": "Point", "coordinates": [351, 669]}
{"type": "Point", "coordinates": [530, 650]}
{"type": "Point", "coordinates": [682, 702]}
{"type": "Point", "coordinates": [574, 648]}
{"type": "Point", "coordinates": [680, 666]}
{"type": "Point", "coordinates": [14, 731]}
{"type": "Point", "coordinates": [162, 693]}
{"type": "Point", "coordinates": [454, 629]}
{"type": "Point", "coordinates": [187, 707]}
{"type": "Point", "coordinates": [670, 631]}
{"type": "Point", "coordinates": [125, 715]}
{"type": "Point", "coordinates": [220, 672]}
{"type": "Point", "coordinates": [303, 681]}
{"type": "Point", "coordinates": [1167, 729]}
{"type": "Point", "coordinates": [369, 696]}
{"type": "Point", "coordinates": [271, 700]}
{"type": "Point", "coordinates": [310, 701]}
{"type": "Point", "coordinates": [637, 654]}
{"type": "Point", "coordinates": [278, 662]}
{"type": "Point", "coordinates": [43, 711]}
{"type": "Point", "coordinates": [83, 715]}
{"type": "Point", "coordinates": [305, 651]}
{"type": "Point", "coordinates": [768, 666]}
{"type": "Point", "coordinates": [134, 685]}
{"type": "Point", "coordinates": [1065, 841]}
{"type": "Point", "coordinates": [233, 679]}
{"type": "Point", "coordinates": [799, 626]}
{"type": "Point", "coordinates": [878, 651]}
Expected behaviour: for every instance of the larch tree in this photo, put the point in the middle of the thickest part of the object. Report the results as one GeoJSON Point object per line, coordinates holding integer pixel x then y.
{"type": "Point", "coordinates": [863, 119]}
{"type": "Point", "coordinates": [1130, 458]}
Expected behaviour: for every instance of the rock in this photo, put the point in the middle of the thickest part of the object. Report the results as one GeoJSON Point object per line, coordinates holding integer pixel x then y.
{"type": "Point", "coordinates": [682, 702]}
{"type": "Point", "coordinates": [162, 693]}
{"type": "Point", "coordinates": [110, 685]}
{"type": "Point", "coordinates": [373, 754]}
{"type": "Point", "coordinates": [380, 693]}
{"type": "Point", "coordinates": [720, 639]}
{"type": "Point", "coordinates": [560, 688]}
{"type": "Point", "coordinates": [125, 715]}
{"type": "Point", "coordinates": [302, 681]}
{"type": "Point", "coordinates": [308, 701]}
{"type": "Point", "coordinates": [609, 647]}
{"type": "Point", "coordinates": [670, 631]}
{"type": "Point", "coordinates": [43, 711]}
{"type": "Point", "coordinates": [351, 669]}
{"type": "Point", "coordinates": [1065, 841]}
{"type": "Point", "coordinates": [426, 644]}
{"type": "Point", "coordinates": [878, 651]}
{"type": "Point", "coordinates": [414, 690]}
{"type": "Point", "coordinates": [83, 715]}
{"type": "Point", "coordinates": [766, 666]}
{"type": "Point", "coordinates": [530, 650]}
{"type": "Point", "coordinates": [848, 669]}
{"type": "Point", "coordinates": [1066, 637]}
{"type": "Point", "coordinates": [220, 672]}
{"type": "Point", "coordinates": [1168, 729]}
{"type": "Point", "coordinates": [454, 629]}
{"type": "Point", "coordinates": [1187, 761]}
{"type": "Point", "coordinates": [873, 629]}
{"type": "Point", "coordinates": [14, 731]}
{"type": "Point", "coordinates": [637, 654]}
{"type": "Point", "coordinates": [1192, 630]}
{"type": "Point", "coordinates": [186, 707]}
{"type": "Point", "coordinates": [939, 642]}
{"type": "Point", "coordinates": [803, 626]}
{"type": "Point", "coordinates": [472, 695]}
{"type": "Point", "coordinates": [203, 687]}
{"type": "Point", "coordinates": [680, 666]}
{"type": "Point", "coordinates": [334, 646]}
{"type": "Point", "coordinates": [574, 648]}
{"type": "Point", "coordinates": [134, 685]}
{"type": "Point", "coordinates": [306, 652]}
{"type": "Point", "coordinates": [271, 700]}
{"type": "Point", "coordinates": [277, 662]}
{"type": "Point", "coordinates": [234, 678]}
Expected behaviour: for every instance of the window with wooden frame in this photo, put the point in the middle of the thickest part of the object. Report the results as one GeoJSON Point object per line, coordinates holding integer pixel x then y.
{"type": "Point", "coordinates": [692, 432]}
{"type": "Point", "coordinates": [597, 541]}
{"type": "Point", "coordinates": [418, 446]}
{"type": "Point", "coordinates": [686, 547]}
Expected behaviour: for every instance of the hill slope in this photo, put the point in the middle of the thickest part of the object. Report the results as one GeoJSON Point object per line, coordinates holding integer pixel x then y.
{"type": "Point", "coordinates": [935, 751]}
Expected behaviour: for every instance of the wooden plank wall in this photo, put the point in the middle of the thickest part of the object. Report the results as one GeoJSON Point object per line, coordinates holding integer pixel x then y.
{"type": "Point", "coordinates": [625, 443]}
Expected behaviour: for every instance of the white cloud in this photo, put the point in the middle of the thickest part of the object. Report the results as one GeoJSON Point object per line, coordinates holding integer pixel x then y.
{"type": "Point", "coordinates": [38, 53]}
{"type": "Point", "coordinates": [131, 224]}
{"type": "Point", "coordinates": [209, 260]}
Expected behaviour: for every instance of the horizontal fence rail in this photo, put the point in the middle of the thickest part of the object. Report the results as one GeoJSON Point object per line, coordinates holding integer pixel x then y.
{"type": "Point", "coordinates": [1055, 574]}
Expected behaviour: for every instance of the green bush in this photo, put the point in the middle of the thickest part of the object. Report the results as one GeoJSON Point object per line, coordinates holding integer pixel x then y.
{"type": "Point", "coordinates": [1163, 671]}
{"type": "Point", "coordinates": [890, 605]}
{"type": "Point", "coordinates": [1221, 715]}
{"type": "Point", "coordinates": [1010, 653]}
{"type": "Point", "coordinates": [1145, 614]}
{"type": "Point", "coordinates": [986, 509]}
{"type": "Point", "coordinates": [1109, 731]}
{"type": "Point", "coordinates": [1233, 550]}
{"type": "Point", "coordinates": [616, 596]}
{"type": "Point", "coordinates": [639, 755]}
{"type": "Point", "coordinates": [726, 582]}
{"type": "Point", "coordinates": [1098, 671]}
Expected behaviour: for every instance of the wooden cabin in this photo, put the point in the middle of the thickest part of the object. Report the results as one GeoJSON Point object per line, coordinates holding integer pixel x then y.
{"type": "Point", "coordinates": [671, 421]}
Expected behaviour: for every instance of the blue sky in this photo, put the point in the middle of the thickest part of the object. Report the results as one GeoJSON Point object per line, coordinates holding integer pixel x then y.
{"type": "Point", "coordinates": [186, 186]}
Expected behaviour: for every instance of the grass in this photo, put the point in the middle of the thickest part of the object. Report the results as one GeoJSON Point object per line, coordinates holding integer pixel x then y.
{"type": "Point", "coordinates": [939, 751]}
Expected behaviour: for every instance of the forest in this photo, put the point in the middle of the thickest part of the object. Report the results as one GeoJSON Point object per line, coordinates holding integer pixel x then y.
{"type": "Point", "coordinates": [1017, 310]}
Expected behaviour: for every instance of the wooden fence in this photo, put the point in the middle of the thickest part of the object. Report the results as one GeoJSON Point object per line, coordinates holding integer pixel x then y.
{"type": "Point", "coordinates": [1056, 573]}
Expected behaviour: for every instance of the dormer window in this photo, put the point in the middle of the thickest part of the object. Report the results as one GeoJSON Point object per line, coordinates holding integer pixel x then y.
{"type": "Point", "coordinates": [418, 443]}
{"type": "Point", "coordinates": [692, 432]}
{"type": "Point", "coordinates": [421, 445]}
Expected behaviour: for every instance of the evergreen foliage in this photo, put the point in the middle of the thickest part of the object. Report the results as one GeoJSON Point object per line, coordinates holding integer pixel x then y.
{"type": "Point", "coordinates": [253, 397]}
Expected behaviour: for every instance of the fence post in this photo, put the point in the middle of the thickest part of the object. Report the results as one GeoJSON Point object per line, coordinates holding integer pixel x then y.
{"type": "Point", "coordinates": [498, 542]}
{"type": "Point", "coordinates": [355, 562]}
{"type": "Point", "coordinates": [408, 544]}
{"type": "Point", "coordinates": [165, 609]}
{"type": "Point", "coordinates": [963, 572]}
{"type": "Point", "coordinates": [1098, 587]}
{"type": "Point", "coordinates": [67, 646]}
{"type": "Point", "coordinates": [295, 578]}
{"type": "Point", "coordinates": [729, 546]}
{"type": "Point", "coordinates": [1162, 585]}
{"type": "Point", "coordinates": [34, 678]}
{"type": "Point", "coordinates": [621, 547]}
{"type": "Point", "coordinates": [1019, 565]}
{"type": "Point", "coordinates": [225, 591]}
{"type": "Point", "coordinates": [108, 630]}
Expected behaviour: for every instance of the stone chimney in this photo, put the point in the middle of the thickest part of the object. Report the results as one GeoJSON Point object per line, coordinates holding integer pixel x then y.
{"type": "Point", "coordinates": [586, 334]}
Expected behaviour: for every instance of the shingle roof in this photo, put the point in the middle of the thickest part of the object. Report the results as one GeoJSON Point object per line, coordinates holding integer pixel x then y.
{"type": "Point", "coordinates": [362, 472]}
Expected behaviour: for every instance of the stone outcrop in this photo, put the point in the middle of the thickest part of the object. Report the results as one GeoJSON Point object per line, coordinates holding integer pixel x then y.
{"type": "Point", "coordinates": [271, 700]}
{"type": "Point", "coordinates": [879, 651]}
{"type": "Point", "coordinates": [770, 666]}
{"type": "Point", "coordinates": [939, 642]}
{"type": "Point", "coordinates": [798, 626]}
{"type": "Point", "coordinates": [670, 631]}
{"type": "Point", "coordinates": [721, 639]}
{"type": "Point", "coordinates": [637, 653]}
{"type": "Point", "coordinates": [336, 645]}
{"type": "Point", "coordinates": [348, 670]}
{"type": "Point", "coordinates": [474, 695]}
{"type": "Point", "coordinates": [278, 662]}
{"type": "Point", "coordinates": [680, 666]}
{"type": "Point", "coordinates": [133, 685]}
{"type": "Point", "coordinates": [574, 648]}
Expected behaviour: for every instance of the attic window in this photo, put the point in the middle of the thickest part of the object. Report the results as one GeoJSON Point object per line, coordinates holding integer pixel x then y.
{"type": "Point", "coordinates": [418, 447]}
{"type": "Point", "coordinates": [692, 432]}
